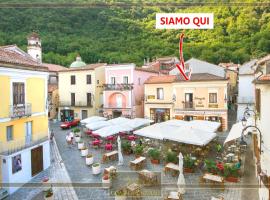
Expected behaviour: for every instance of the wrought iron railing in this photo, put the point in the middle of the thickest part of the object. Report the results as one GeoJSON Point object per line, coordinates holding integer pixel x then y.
{"type": "Point", "coordinates": [121, 86]}
{"type": "Point", "coordinates": [188, 105]}
{"type": "Point", "coordinates": [20, 110]}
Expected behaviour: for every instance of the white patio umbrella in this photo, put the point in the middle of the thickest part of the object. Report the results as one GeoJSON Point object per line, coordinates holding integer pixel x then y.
{"type": "Point", "coordinates": [97, 125]}
{"type": "Point", "coordinates": [138, 122]}
{"type": "Point", "coordinates": [112, 130]}
{"type": "Point", "coordinates": [93, 119]}
{"type": "Point", "coordinates": [236, 130]}
{"type": "Point", "coordinates": [119, 120]}
{"type": "Point", "coordinates": [181, 179]}
{"type": "Point", "coordinates": [205, 125]}
{"type": "Point", "coordinates": [120, 156]}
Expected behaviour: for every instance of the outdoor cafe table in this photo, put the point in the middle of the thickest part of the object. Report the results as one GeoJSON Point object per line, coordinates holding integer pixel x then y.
{"type": "Point", "coordinates": [172, 167]}
{"type": "Point", "coordinates": [148, 177]}
{"type": "Point", "coordinates": [138, 163]}
{"type": "Point", "coordinates": [133, 190]}
{"type": "Point", "coordinates": [214, 179]}
{"type": "Point", "coordinates": [110, 156]}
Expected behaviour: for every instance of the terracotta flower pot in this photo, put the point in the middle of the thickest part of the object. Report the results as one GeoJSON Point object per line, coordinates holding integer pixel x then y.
{"type": "Point", "coordinates": [188, 170]}
{"type": "Point", "coordinates": [156, 162]}
{"type": "Point", "coordinates": [232, 179]}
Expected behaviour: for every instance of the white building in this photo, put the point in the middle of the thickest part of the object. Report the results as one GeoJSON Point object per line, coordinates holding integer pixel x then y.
{"type": "Point", "coordinates": [246, 89]}
{"type": "Point", "coordinates": [198, 66]}
{"type": "Point", "coordinates": [262, 107]}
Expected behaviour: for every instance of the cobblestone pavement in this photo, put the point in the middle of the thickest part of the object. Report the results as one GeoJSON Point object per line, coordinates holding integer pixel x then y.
{"type": "Point", "coordinates": [85, 183]}
{"type": "Point", "coordinates": [58, 175]}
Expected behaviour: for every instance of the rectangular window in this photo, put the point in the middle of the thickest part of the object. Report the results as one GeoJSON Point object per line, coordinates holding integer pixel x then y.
{"type": "Point", "coordinates": [113, 80]}
{"type": "Point", "coordinates": [88, 79]}
{"type": "Point", "coordinates": [72, 99]}
{"type": "Point", "coordinates": [18, 93]}
{"type": "Point", "coordinates": [9, 133]}
{"type": "Point", "coordinates": [97, 81]}
{"type": "Point", "coordinates": [212, 97]}
{"type": "Point", "coordinates": [125, 79]}
{"type": "Point", "coordinates": [160, 94]}
{"type": "Point", "coordinates": [89, 99]}
{"type": "Point", "coordinates": [72, 80]}
{"type": "Point", "coordinates": [268, 67]}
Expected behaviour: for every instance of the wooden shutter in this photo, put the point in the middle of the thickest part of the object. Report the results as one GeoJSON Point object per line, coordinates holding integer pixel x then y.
{"type": "Point", "coordinates": [73, 99]}
{"type": "Point", "coordinates": [258, 100]}
{"type": "Point", "coordinates": [18, 93]}
{"type": "Point", "coordinates": [89, 99]}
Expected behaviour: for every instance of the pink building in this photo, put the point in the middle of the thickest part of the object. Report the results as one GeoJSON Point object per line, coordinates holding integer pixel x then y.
{"type": "Point", "coordinates": [124, 90]}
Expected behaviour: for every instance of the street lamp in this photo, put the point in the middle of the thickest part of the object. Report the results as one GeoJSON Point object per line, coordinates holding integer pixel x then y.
{"type": "Point", "coordinates": [244, 122]}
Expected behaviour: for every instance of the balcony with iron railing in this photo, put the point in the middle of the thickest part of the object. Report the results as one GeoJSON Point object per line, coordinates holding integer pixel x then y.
{"type": "Point", "coordinates": [76, 103]}
{"type": "Point", "coordinates": [120, 87]}
{"type": "Point", "coordinates": [13, 146]}
{"type": "Point", "coordinates": [188, 105]}
{"type": "Point", "coordinates": [22, 110]}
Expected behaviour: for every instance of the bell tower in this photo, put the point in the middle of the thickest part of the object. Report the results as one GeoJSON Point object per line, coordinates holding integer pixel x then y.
{"type": "Point", "coordinates": [34, 47]}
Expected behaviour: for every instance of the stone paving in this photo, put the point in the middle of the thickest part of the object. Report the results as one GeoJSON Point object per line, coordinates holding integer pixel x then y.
{"type": "Point", "coordinates": [58, 175]}
{"type": "Point", "coordinates": [80, 173]}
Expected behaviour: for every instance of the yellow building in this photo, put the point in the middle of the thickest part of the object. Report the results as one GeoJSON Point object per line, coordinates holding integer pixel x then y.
{"type": "Point", "coordinates": [204, 97]}
{"type": "Point", "coordinates": [24, 145]}
{"type": "Point", "coordinates": [80, 90]}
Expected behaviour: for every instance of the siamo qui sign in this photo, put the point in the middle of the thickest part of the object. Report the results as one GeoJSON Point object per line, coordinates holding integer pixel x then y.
{"type": "Point", "coordinates": [184, 21]}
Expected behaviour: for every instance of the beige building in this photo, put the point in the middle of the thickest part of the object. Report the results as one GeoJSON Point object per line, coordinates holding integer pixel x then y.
{"type": "Point", "coordinates": [80, 90]}
{"type": "Point", "coordinates": [204, 97]}
{"type": "Point", "coordinates": [262, 141]}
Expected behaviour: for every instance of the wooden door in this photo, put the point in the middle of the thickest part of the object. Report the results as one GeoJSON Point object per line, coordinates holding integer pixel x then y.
{"type": "Point", "coordinates": [37, 160]}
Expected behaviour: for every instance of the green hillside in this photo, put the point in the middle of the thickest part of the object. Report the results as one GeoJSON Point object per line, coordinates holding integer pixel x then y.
{"type": "Point", "coordinates": [128, 34]}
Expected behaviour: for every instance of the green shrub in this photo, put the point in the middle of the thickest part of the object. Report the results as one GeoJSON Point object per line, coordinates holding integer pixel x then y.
{"type": "Point", "coordinates": [154, 154]}
{"type": "Point", "coordinates": [138, 150]}
{"type": "Point", "coordinates": [126, 146]}
{"type": "Point", "coordinates": [188, 162]}
{"type": "Point", "coordinates": [76, 130]}
{"type": "Point", "coordinates": [171, 157]}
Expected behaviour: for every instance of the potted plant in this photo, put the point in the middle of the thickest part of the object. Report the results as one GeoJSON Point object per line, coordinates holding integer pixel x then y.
{"type": "Point", "coordinates": [211, 166]}
{"type": "Point", "coordinates": [189, 164]}
{"type": "Point", "coordinates": [89, 159]}
{"type": "Point", "coordinates": [126, 146]}
{"type": "Point", "coordinates": [138, 150]}
{"type": "Point", "coordinates": [80, 144]}
{"type": "Point", "coordinates": [77, 131]}
{"type": "Point", "coordinates": [120, 195]}
{"type": "Point", "coordinates": [77, 138]}
{"type": "Point", "coordinates": [155, 155]}
{"type": "Point", "coordinates": [96, 168]}
{"type": "Point", "coordinates": [48, 194]}
{"type": "Point", "coordinates": [84, 151]}
{"type": "Point", "coordinates": [106, 180]}
{"type": "Point", "coordinates": [171, 157]}
{"type": "Point", "coordinates": [231, 173]}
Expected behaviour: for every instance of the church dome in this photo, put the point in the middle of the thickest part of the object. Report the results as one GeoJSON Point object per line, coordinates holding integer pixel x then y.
{"type": "Point", "coordinates": [78, 62]}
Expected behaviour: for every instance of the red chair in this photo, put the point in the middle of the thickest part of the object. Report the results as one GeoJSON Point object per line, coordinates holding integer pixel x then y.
{"type": "Point", "coordinates": [96, 142]}
{"type": "Point", "coordinates": [131, 137]}
{"type": "Point", "coordinates": [97, 136]}
{"type": "Point", "coordinates": [110, 138]}
{"type": "Point", "coordinates": [122, 134]}
{"type": "Point", "coordinates": [108, 147]}
{"type": "Point", "coordinates": [88, 132]}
